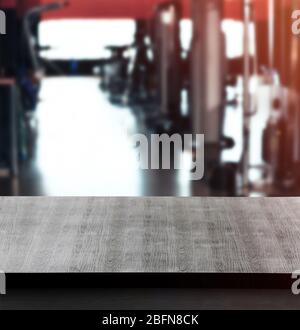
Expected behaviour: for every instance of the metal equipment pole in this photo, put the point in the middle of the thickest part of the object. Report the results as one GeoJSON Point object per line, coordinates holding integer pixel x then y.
{"type": "Point", "coordinates": [246, 97]}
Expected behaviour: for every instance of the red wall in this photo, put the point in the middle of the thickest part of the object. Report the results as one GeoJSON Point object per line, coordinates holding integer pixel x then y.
{"type": "Point", "coordinates": [7, 3]}
{"type": "Point", "coordinates": [131, 8]}
{"type": "Point", "coordinates": [144, 8]}
{"type": "Point", "coordinates": [22, 4]}
{"type": "Point", "coordinates": [110, 8]}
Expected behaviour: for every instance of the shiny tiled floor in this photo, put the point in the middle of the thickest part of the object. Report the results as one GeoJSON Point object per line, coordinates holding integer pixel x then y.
{"type": "Point", "coordinates": [84, 147]}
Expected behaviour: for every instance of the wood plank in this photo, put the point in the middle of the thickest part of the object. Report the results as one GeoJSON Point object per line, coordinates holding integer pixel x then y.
{"type": "Point", "coordinates": [152, 235]}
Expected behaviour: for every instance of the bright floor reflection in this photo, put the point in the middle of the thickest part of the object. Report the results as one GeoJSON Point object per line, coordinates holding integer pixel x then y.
{"type": "Point", "coordinates": [85, 146]}
{"type": "Point", "coordinates": [83, 140]}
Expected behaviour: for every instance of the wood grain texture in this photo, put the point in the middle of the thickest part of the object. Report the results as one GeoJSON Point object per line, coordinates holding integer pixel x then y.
{"type": "Point", "coordinates": [189, 235]}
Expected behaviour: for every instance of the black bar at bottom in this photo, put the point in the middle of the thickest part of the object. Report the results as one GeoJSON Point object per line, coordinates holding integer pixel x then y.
{"type": "Point", "coordinates": [149, 280]}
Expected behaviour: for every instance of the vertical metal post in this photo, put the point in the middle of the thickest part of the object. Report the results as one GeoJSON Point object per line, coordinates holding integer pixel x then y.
{"type": "Point", "coordinates": [271, 29]}
{"type": "Point", "coordinates": [14, 166]}
{"type": "Point", "coordinates": [12, 169]}
{"type": "Point", "coordinates": [208, 71]}
{"type": "Point", "coordinates": [13, 133]}
{"type": "Point", "coordinates": [169, 57]}
{"type": "Point", "coordinates": [246, 97]}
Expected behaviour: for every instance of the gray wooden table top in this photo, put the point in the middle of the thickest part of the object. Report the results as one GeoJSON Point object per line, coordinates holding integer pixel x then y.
{"type": "Point", "coordinates": [205, 235]}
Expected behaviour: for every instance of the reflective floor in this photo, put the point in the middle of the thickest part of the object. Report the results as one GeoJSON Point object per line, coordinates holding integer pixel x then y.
{"type": "Point", "coordinates": [84, 148]}
{"type": "Point", "coordinates": [83, 140]}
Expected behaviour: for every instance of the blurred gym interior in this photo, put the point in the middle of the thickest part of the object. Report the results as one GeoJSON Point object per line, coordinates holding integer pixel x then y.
{"type": "Point", "coordinates": [79, 78]}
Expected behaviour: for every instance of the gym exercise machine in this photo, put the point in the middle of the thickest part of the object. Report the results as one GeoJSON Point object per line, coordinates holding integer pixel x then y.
{"type": "Point", "coordinates": [20, 76]}
{"type": "Point", "coordinates": [281, 138]}
{"type": "Point", "coordinates": [32, 66]}
{"type": "Point", "coordinates": [154, 74]}
{"type": "Point", "coordinates": [208, 65]}
{"type": "Point", "coordinates": [276, 64]}
{"type": "Point", "coordinates": [168, 67]}
{"type": "Point", "coordinates": [114, 73]}
{"type": "Point", "coordinates": [9, 101]}
{"type": "Point", "coordinates": [127, 78]}
{"type": "Point", "coordinates": [140, 92]}
{"type": "Point", "coordinates": [277, 88]}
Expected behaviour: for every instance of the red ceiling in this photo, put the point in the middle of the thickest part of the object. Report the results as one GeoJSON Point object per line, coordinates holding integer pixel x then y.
{"type": "Point", "coordinates": [143, 8]}
{"type": "Point", "coordinates": [111, 8]}
{"type": "Point", "coordinates": [21, 3]}
{"type": "Point", "coordinates": [133, 8]}
{"type": "Point", "coordinates": [7, 3]}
